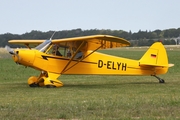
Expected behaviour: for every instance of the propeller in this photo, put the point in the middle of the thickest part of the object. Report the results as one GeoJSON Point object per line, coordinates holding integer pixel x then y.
{"type": "Point", "coordinates": [10, 50]}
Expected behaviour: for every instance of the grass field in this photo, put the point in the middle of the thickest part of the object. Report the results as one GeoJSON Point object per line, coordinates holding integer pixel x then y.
{"type": "Point", "coordinates": [91, 97]}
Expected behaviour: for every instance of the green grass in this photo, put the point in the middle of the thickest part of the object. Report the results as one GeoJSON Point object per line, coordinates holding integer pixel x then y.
{"type": "Point", "coordinates": [91, 97]}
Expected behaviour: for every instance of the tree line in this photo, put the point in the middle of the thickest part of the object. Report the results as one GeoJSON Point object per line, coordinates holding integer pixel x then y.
{"type": "Point", "coordinates": [140, 38]}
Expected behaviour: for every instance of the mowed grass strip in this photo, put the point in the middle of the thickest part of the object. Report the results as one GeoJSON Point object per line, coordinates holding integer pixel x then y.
{"type": "Point", "coordinates": [91, 96]}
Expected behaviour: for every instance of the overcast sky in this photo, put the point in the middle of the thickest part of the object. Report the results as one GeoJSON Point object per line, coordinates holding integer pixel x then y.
{"type": "Point", "coordinates": [21, 16]}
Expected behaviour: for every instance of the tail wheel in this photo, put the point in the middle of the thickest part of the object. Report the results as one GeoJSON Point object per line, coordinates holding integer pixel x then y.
{"type": "Point", "coordinates": [32, 81]}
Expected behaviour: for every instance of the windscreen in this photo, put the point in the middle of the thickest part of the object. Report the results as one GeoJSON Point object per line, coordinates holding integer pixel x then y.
{"type": "Point", "coordinates": [43, 46]}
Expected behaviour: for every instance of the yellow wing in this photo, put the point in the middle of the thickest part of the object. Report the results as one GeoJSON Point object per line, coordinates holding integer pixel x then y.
{"type": "Point", "coordinates": [90, 42]}
{"type": "Point", "coordinates": [28, 43]}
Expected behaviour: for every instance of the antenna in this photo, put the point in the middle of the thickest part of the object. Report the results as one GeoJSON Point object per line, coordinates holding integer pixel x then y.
{"type": "Point", "coordinates": [52, 35]}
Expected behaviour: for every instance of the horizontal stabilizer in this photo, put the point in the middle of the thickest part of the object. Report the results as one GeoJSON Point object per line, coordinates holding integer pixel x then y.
{"type": "Point", "coordinates": [155, 65]}
{"type": "Point", "coordinates": [171, 65]}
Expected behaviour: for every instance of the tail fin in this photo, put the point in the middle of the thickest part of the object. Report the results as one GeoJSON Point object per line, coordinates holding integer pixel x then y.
{"type": "Point", "coordinates": [155, 56]}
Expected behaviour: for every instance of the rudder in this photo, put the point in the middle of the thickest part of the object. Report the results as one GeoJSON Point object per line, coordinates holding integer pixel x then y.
{"type": "Point", "coordinates": [156, 56]}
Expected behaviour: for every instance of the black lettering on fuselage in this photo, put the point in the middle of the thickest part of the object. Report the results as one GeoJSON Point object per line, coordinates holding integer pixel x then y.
{"type": "Point", "coordinates": [123, 66]}
{"type": "Point", "coordinates": [109, 64]}
{"type": "Point", "coordinates": [100, 64]}
{"type": "Point", "coordinates": [118, 64]}
{"type": "Point", "coordinates": [112, 65]}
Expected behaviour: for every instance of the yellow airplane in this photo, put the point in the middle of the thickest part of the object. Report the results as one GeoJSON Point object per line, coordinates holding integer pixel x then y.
{"type": "Point", "coordinates": [78, 56]}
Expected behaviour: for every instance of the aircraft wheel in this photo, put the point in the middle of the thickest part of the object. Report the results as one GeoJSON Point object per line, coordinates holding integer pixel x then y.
{"type": "Point", "coordinates": [50, 86]}
{"type": "Point", "coordinates": [32, 81]}
{"type": "Point", "coordinates": [161, 81]}
{"type": "Point", "coordinates": [34, 85]}
{"type": "Point", "coordinates": [41, 82]}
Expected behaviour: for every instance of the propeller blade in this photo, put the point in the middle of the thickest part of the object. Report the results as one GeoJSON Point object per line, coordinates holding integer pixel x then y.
{"type": "Point", "coordinates": [10, 50]}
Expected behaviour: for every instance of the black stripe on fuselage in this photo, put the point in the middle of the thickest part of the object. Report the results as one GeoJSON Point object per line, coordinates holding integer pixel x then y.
{"type": "Point", "coordinates": [54, 57]}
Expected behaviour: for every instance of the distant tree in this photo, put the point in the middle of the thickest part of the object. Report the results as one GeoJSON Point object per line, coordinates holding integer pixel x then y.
{"type": "Point", "coordinates": [142, 42]}
{"type": "Point", "coordinates": [154, 35]}
{"type": "Point", "coordinates": [139, 38]}
{"type": "Point", "coordinates": [150, 42]}
{"type": "Point", "coordinates": [167, 42]}
{"type": "Point", "coordinates": [173, 42]}
{"type": "Point", "coordinates": [158, 32]}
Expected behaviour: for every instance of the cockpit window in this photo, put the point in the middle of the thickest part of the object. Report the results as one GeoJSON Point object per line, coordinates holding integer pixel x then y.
{"type": "Point", "coordinates": [63, 49]}
{"type": "Point", "coordinates": [55, 50]}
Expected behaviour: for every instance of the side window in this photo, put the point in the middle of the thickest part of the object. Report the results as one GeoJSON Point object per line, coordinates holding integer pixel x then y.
{"type": "Point", "coordinates": [79, 55]}
{"type": "Point", "coordinates": [64, 51]}
{"type": "Point", "coordinates": [56, 50]}
{"type": "Point", "coordinates": [69, 54]}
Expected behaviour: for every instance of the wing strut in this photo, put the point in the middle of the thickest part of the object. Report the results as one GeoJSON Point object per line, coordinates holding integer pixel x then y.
{"type": "Point", "coordinates": [64, 70]}
{"type": "Point", "coordinates": [72, 57]}
{"type": "Point", "coordinates": [27, 45]}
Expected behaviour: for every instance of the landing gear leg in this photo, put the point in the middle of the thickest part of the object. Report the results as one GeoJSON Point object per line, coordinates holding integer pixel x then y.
{"type": "Point", "coordinates": [50, 80]}
{"type": "Point", "coordinates": [160, 80]}
{"type": "Point", "coordinates": [47, 79]}
{"type": "Point", "coordinates": [34, 81]}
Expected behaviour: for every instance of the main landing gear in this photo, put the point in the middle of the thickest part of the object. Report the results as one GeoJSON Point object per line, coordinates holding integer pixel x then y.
{"type": "Point", "coordinates": [160, 80]}
{"type": "Point", "coordinates": [45, 79]}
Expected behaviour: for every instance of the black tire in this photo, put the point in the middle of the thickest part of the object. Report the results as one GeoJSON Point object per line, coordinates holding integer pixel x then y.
{"type": "Point", "coordinates": [50, 86]}
{"type": "Point", "coordinates": [34, 85]}
{"type": "Point", "coordinates": [161, 81]}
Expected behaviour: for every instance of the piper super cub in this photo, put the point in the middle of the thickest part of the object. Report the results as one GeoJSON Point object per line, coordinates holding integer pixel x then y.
{"type": "Point", "coordinates": [79, 55]}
